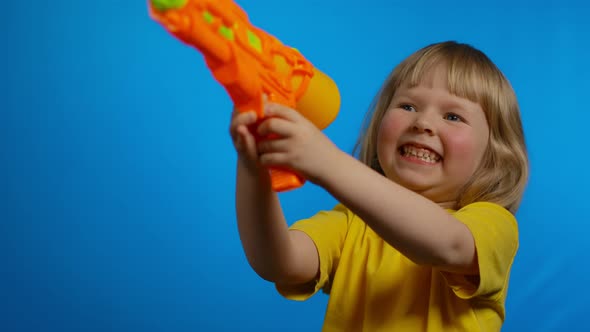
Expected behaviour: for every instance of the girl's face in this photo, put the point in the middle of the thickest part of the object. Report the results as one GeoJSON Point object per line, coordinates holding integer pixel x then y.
{"type": "Point", "coordinates": [431, 141]}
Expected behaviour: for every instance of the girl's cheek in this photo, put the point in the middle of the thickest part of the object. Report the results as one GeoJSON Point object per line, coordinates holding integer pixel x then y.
{"type": "Point", "coordinates": [463, 148]}
{"type": "Point", "coordinates": [390, 127]}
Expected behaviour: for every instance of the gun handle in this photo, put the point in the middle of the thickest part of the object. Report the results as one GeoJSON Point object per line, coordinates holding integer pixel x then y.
{"type": "Point", "coordinates": [281, 179]}
{"type": "Point", "coordinates": [284, 180]}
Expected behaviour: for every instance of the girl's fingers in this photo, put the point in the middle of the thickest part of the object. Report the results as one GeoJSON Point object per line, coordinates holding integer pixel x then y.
{"type": "Point", "coordinates": [271, 145]}
{"type": "Point", "coordinates": [274, 159]}
{"type": "Point", "coordinates": [239, 138]}
{"type": "Point", "coordinates": [241, 119]}
{"type": "Point", "coordinates": [244, 139]}
{"type": "Point", "coordinates": [275, 126]}
{"type": "Point", "coordinates": [278, 110]}
{"type": "Point", "coordinates": [245, 118]}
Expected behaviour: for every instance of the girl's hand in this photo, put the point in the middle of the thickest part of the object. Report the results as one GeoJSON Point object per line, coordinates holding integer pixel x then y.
{"type": "Point", "coordinates": [296, 143]}
{"type": "Point", "coordinates": [243, 140]}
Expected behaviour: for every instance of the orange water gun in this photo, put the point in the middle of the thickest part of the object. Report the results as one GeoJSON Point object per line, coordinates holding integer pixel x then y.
{"type": "Point", "coordinates": [251, 63]}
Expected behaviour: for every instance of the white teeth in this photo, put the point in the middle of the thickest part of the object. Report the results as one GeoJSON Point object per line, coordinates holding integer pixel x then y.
{"type": "Point", "coordinates": [420, 153]}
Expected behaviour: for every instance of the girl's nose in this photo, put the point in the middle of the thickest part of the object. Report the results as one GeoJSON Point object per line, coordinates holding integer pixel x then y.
{"type": "Point", "coordinates": [423, 124]}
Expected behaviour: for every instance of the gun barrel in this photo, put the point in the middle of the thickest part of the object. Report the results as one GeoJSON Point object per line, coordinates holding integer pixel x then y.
{"type": "Point", "coordinates": [250, 63]}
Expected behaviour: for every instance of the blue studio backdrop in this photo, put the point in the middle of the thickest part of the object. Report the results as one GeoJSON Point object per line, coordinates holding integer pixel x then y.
{"type": "Point", "coordinates": [117, 171]}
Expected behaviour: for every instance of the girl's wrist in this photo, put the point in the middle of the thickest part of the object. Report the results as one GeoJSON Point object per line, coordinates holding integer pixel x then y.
{"type": "Point", "coordinates": [252, 168]}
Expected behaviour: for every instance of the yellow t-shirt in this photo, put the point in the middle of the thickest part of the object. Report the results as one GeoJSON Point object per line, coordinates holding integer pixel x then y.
{"type": "Point", "coordinates": [373, 287]}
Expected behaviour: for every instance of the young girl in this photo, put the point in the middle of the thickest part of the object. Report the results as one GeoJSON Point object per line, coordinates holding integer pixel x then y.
{"type": "Point", "coordinates": [424, 236]}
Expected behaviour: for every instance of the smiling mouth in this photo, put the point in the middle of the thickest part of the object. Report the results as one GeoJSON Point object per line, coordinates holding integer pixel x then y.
{"type": "Point", "coordinates": [422, 154]}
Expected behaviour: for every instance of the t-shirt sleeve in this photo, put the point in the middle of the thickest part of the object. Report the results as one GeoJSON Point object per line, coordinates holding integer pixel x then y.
{"type": "Point", "coordinates": [495, 233]}
{"type": "Point", "coordinates": [327, 229]}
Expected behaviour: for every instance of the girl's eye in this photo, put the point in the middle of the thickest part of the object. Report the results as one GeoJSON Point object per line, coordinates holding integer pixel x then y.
{"type": "Point", "coordinates": [453, 117]}
{"type": "Point", "coordinates": [408, 108]}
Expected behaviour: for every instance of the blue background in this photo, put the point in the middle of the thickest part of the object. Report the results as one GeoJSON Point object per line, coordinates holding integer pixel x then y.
{"type": "Point", "coordinates": [117, 171]}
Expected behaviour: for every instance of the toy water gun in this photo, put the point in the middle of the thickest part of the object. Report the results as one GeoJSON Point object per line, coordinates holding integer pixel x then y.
{"type": "Point", "coordinates": [251, 63]}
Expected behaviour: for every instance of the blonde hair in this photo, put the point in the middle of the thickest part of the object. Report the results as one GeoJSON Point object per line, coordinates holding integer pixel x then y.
{"type": "Point", "coordinates": [503, 172]}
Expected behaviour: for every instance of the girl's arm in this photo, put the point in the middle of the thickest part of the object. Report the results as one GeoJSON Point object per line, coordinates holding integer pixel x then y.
{"type": "Point", "coordinates": [276, 254]}
{"type": "Point", "coordinates": [416, 226]}
{"type": "Point", "coordinates": [419, 228]}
